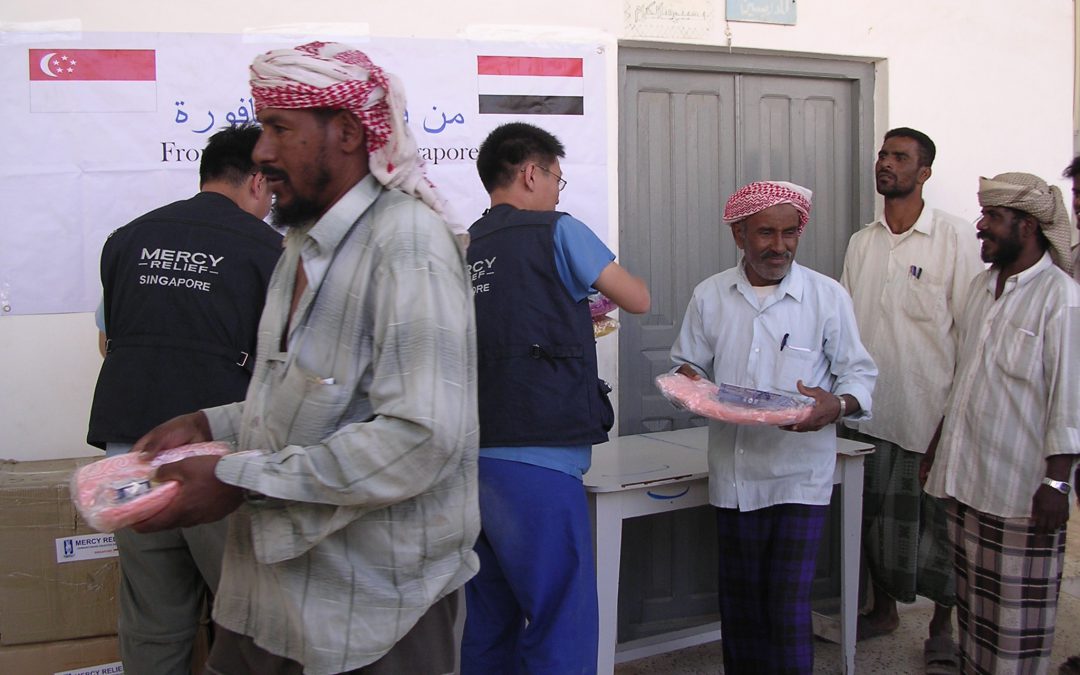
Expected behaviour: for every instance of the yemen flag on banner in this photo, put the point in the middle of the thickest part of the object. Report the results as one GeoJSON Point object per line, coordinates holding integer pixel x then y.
{"type": "Point", "coordinates": [530, 85]}
{"type": "Point", "coordinates": [93, 80]}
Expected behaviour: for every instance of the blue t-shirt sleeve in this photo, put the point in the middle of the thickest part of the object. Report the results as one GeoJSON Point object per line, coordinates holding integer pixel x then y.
{"type": "Point", "coordinates": [580, 256]}
{"type": "Point", "coordinates": [99, 315]}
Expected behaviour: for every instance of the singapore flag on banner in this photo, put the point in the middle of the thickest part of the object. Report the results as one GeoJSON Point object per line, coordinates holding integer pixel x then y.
{"type": "Point", "coordinates": [92, 80]}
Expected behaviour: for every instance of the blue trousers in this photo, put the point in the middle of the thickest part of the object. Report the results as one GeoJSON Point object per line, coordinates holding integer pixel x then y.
{"type": "Point", "coordinates": [532, 607]}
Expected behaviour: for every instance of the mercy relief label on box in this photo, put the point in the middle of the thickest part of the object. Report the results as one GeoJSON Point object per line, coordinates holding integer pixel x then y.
{"type": "Point", "coordinates": [85, 547]}
{"type": "Point", "coordinates": [115, 668]}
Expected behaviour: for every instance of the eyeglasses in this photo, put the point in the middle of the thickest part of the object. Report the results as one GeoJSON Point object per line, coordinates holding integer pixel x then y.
{"type": "Point", "coordinates": [562, 181]}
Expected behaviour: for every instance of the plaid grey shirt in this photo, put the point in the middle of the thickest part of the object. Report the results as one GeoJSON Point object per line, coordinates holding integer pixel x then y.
{"type": "Point", "coordinates": [359, 443]}
{"type": "Point", "coordinates": [1016, 397]}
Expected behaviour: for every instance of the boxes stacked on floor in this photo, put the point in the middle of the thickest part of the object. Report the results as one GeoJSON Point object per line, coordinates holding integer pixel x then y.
{"type": "Point", "coordinates": [58, 578]}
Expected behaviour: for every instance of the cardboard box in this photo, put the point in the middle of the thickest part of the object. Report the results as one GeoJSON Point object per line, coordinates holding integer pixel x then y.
{"type": "Point", "coordinates": [93, 656]}
{"type": "Point", "coordinates": [58, 578]}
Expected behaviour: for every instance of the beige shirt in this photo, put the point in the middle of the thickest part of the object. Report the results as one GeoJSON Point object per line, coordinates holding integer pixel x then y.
{"type": "Point", "coordinates": [908, 290]}
{"type": "Point", "coordinates": [1016, 399]}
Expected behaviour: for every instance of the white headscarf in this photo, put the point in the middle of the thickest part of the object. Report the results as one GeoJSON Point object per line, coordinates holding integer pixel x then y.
{"type": "Point", "coordinates": [1031, 194]}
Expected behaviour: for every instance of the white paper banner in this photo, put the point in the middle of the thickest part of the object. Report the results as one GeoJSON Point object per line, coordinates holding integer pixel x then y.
{"type": "Point", "coordinates": [103, 127]}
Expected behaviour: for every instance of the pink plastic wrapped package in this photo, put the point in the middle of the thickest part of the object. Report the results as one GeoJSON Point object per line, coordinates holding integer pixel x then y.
{"type": "Point", "coordinates": [729, 403]}
{"type": "Point", "coordinates": [600, 305]}
{"type": "Point", "coordinates": [116, 492]}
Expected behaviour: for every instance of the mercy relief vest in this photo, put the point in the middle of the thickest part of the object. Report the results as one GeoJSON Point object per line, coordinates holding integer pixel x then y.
{"type": "Point", "coordinates": [184, 286]}
{"type": "Point", "coordinates": [536, 352]}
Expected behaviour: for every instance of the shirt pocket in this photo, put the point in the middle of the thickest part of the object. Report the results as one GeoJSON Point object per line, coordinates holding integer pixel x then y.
{"type": "Point", "coordinates": [1019, 352]}
{"type": "Point", "coordinates": [306, 407]}
{"type": "Point", "coordinates": [794, 363]}
{"type": "Point", "coordinates": [922, 299]}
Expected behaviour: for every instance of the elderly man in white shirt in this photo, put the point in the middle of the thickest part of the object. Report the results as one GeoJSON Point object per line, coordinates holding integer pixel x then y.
{"type": "Point", "coordinates": [771, 324]}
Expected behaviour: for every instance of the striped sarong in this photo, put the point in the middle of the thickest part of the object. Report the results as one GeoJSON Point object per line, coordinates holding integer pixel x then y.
{"type": "Point", "coordinates": [767, 560]}
{"type": "Point", "coordinates": [905, 531]}
{"type": "Point", "coordinates": [1007, 582]}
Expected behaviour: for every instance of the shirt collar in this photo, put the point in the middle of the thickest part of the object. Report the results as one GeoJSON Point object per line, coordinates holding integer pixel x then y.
{"type": "Point", "coordinates": [792, 284]}
{"type": "Point", "coordinates": [1020, 278]}
{"type": "Point", "coordinates": [924, 224]}
{"type": "Point", "coordinates": [328, 231]}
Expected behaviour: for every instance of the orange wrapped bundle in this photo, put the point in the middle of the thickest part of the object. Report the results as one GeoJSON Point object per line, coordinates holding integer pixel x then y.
{"type": "Point", "coordinates": [116, 492]}
{"type": "Point", "coordinates": [729, 403]}
{"type": "Point", "coordinates": [602, 325]}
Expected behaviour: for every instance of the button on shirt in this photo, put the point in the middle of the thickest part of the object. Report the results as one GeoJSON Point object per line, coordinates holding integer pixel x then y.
{"type": "Point", "coordinates": [359, 443]}
{"type": "Point", "coordinates": [908, 291]}
{"type": "Point", "coordinates": [1016, 399]}
{"type": "Point", "coordinates": [729, 337]}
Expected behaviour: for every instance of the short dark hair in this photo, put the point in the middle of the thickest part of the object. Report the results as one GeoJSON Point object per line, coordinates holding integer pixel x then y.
{"type": "Point", "coordinates": [227, 155]}
{"type": "Point", "coordinates": [1073, 170]}
{"type": "Point", "coordinates": [510, 145]}
{"type": "Point", "coordinates": [927, 149]}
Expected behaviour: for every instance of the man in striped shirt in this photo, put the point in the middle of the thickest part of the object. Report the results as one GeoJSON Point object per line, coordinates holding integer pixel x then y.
{"type": "Point", "coordinates": [353, 498]}
{"type": "Point", "coordinates": [1012, 429]}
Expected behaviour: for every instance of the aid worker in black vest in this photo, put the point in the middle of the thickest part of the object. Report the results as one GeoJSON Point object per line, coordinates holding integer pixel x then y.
{"type": "Point", "coordinates": [542, 407]}
{"type": "Point", "coordinates": [184, 286]}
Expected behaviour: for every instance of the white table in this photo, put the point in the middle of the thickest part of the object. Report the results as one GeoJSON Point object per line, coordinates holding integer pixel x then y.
{"type": "Point", "coordinates": [666, 471]}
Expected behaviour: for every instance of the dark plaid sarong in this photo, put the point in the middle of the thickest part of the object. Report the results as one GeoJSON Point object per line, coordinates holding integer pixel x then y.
{"type": "Point", "coordinates": [767, 560]}
{"type": "Point", "coordinates": [905, 535]}
{"type": "Point", "coordinates": [1007, 582]}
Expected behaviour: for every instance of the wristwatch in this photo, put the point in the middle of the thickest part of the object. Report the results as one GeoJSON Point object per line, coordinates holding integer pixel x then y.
{"type": "Point", "coordinates": [843, 408]}
{"type": "Point", "coordinates": [1060, 485]}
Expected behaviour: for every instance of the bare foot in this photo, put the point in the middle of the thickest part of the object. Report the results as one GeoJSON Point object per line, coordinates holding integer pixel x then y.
{"type": "Point", "coordinates": [941, 622]}
{"type": "Point", "coordinates": [881, 620]}
{"type": "Point", "coordinates": [871, 626]}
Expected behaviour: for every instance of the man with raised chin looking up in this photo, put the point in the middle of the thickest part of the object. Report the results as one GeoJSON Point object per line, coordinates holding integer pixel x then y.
{"type": "Point", "coordinates": [908, 274]}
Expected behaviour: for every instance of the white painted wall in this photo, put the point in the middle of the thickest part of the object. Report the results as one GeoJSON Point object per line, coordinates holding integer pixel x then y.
{"type": "Point", "coordinates": [990, 80]}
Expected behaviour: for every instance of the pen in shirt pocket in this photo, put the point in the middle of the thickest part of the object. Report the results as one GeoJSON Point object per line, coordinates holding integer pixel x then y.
{"type": "Point", "coordinates": [915, 271]}
{"type": "Point", "coordinates": [786, 344]}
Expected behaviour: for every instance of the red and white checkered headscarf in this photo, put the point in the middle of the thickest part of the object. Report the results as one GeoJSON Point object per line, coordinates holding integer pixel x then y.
{"type": "Point", "coordinates": [759, 196]}
{"type": "Point", "coordinates": [339, 77]}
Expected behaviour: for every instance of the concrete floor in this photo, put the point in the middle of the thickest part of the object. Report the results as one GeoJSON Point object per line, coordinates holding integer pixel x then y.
{"type": "Point", "coordinates": [894, 654]}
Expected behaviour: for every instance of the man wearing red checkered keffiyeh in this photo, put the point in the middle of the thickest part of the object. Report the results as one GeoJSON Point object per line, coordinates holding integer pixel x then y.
{"type": "Point", "coordinates": [773, 325]}
{"type": "Point", "coordinates": [755, 197]}
{"type": "Point", "coordinates": [352, 496]}
{"type": "Point", "coordinates": [334, 76]}
{"type": "Point", "coordinates": [767, 259]}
